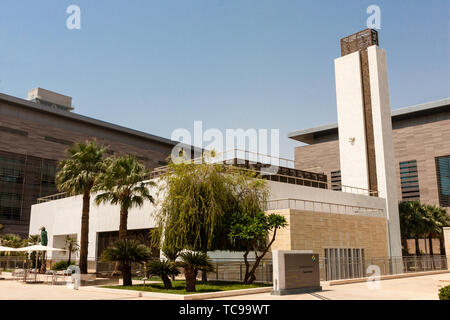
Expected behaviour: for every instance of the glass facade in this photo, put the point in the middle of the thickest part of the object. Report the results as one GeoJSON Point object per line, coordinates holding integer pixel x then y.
{"type": "Point", "coordinates": [23, 179]}
{"type": "Point", "coordinates": [409, 180]}
{"type": "Point", "coordinates": [443, 180]}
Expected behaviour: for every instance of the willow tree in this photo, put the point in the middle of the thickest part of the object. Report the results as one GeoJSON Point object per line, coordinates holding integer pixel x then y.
{"type": "Point", "coordinates": [198, 201]}
{"type": "Point", "coordinates": [78, 175]}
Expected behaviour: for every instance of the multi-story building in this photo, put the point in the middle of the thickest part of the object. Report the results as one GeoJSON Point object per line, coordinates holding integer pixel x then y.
{"type": "Point", "coordinates": [421, 137]}
{"type": "Point", "coordinates": [34, 135]}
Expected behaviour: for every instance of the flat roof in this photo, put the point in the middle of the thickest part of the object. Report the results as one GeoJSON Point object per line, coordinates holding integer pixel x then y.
{"type": "Point", "coordinates": [78, 117]}
{"type": "Point", "coordinates": [307, 135]}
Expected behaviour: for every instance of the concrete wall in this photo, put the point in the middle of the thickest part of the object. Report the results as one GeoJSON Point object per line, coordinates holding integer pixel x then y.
{"type": "Point", "coordinates": [447, 241]}
{"type": "Point", "coordinates": [350, 107]}
{"type": "Point", "coordinates": [319, 230]}
{"type": "Point", "coordinates": [62, 217]}
{"type": "Point", "coordinates": [384, 149]}
{"type": "Point", "coordinates": [279, 190]}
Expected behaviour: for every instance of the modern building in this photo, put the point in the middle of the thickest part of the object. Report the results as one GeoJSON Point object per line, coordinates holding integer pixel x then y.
{"type": "Point", "coordinates": [350, 218]}
{"type": "Point", "coordinates": [34, 135]}
{"type": "Point", "coordinates": [421, 152]}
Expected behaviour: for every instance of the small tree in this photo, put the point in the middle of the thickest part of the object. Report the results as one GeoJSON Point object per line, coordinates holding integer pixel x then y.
{"type": "Point", "coordinates": [71, 245]}
{"type": "Point", "coordinates": [192, 262]}
{"type": "Point", "coordinates": [199, 200]}
{"type": "Point", "coordinates": [163, 269]}
{"type": "Point", "coordinates": [252, 232]}
{"type": "Point", "coordinates": [126, 252]}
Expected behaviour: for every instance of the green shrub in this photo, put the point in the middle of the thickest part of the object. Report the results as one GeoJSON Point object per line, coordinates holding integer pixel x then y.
{"type": "Point", "coordinates": [444, 293]}
{"type": "Point", "coordinates": [163, 269]}
{"type": "Point", "coordinates": [62, 265]}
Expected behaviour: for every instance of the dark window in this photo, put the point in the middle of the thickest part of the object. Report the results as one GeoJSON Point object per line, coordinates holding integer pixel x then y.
{"type": "Point", "coordinates": [14, 131]}
{"type": "Point", "coordinates": [10, 205]}
{"type": "Point", "coordinates": [48, 174]}
{"type": "Point", "coordinates": [443, 179]}
{"type": "Point", "coordinates": [107, 239]}
{"type": "Point", "coordinates": [409, 180]}
{"type": "Point", "coordinates": [23, 179]}
{"type": "Point", "coordinates": [336, 180]}
{"type": "Point", "coordinates": [57, 140]}
{"type": "Point", "coordinates": [11, 170]}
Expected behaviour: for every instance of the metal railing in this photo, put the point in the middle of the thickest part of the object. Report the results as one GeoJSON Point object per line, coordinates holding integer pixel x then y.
{"type": "Point", "coordinates": [320, 206]}
{"type": "Point", "coordinates": [52, 197]}
{"type": "Point", "coordinates": [234, 270]}
{"type": "Point", "coordinates": [351, 268]}
{"type": "Point", "coordinates": [257, 164]}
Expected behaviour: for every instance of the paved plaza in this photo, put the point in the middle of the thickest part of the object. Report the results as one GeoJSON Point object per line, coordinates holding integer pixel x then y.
{"type": "Point", "coordinates": [415, 288]}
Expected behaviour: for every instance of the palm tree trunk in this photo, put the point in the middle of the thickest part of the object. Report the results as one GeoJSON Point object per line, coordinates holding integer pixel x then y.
{"type": "Point", "coordinates": [84, 239]}
{"type": "Point", "coordinates": [416, 242]}
{"type": "Point", "coordinates": [166, 281]}
{"type": "Point", "coordinates": [70, 256]}
{"type": "Point", "coordinates": [441, 245]}
{"type": "Point", "coordinates": [123, 226]}
{"type": "Point", "coordinates": [405, 246]}
{"type": "Point", "coordinates": [430, 242]}
{"type": "Point", "coordinates": [126, 273]}
{"type": "Point", "coordinates": [190, 275]}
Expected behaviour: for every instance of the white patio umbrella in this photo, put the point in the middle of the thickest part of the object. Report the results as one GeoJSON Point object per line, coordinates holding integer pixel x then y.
{"type": "Point", "coordinates": [6, 249]}
{"type": "Point", "coordinates": [37, 247]}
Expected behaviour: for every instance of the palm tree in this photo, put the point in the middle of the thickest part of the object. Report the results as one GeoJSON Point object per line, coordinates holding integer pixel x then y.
{"type": "Point", "coordinates": [123, 183]}
{"type": "Point", "coordinates": [163, 269]}
{"type": "Point", "coordinates": [72, 246]}
{"type": "Point", "coordinates": [438, 219]}
{"type": "Point", "coordinates": [192, 262]}
{"type": "Point", "coordinates": [78, 175]}
{"type": "Point", "coordinates": [127, 252]}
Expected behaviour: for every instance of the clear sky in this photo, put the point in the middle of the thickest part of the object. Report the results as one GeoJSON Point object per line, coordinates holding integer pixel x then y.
{"type": "Point", "coordinates": [156, 66]}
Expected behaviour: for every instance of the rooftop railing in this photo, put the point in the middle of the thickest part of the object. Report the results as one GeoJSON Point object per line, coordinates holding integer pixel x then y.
{"type": "Point", "coordinates": [327, 207]}
{"type": "Point", "coordinates": [264, 166]}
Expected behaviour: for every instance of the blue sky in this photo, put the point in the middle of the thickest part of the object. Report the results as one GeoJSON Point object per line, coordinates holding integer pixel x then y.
{"type": "Point", "coordinates": [159, 65]}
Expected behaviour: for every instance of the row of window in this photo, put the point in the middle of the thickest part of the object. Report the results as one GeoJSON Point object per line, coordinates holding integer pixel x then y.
{"type": "Point", "coordinates": [10, 206]}
{"type": "Point", "coordinates": [13, 170]}
{"type": "Point", "coordinates": [58, 140]}
{"type": "Point", "coordinates": [409, 180]}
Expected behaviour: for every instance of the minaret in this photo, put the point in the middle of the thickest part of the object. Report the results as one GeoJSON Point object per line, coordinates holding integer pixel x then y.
{"type": "Point", "coordinates": [365, 127]}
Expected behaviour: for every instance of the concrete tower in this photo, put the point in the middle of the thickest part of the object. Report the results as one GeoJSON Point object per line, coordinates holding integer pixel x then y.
{"type": "Point", "coordinates": [365, 128]}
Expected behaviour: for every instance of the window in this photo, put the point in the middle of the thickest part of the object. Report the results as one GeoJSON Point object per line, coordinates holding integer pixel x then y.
{"type": "Point", "coordinates": [344, 263]}
{"type": "Point", "coordinates": [10, 205]}
{"type": "Point", "coordinates": [336, 180]}
{"type": "Point", "coordinates": [14, 131]}
{"type": "Point", "coordinates": [57, 140]}
{"type": "Point", "coordinates": [409, 180]}
{"type": "Point", "coordinates": [443, 180]}
{"type": "Point", "coordinates": [48, 174]}
{"type": "Point", "coordinates": [11, 170]}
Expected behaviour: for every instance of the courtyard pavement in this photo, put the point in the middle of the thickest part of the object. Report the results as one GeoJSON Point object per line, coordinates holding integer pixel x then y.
{"type": "Point", "coordinates": [415, 288]}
